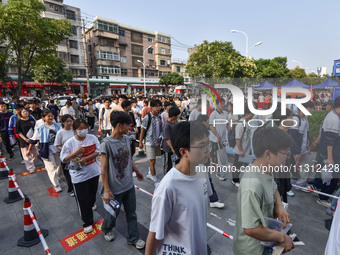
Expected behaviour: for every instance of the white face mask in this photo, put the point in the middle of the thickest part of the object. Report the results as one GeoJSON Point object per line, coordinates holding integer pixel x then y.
{"type": "Point", "coordinates": [82, 132]}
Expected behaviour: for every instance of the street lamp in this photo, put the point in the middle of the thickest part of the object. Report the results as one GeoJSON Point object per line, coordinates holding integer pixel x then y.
{"type": "Point", "coordinates": [143, 63]}
{"type": "Point", "coordinates": [298, 62]}
{"type": "Point", "coordinates": [256, 44]}
{"type": "Point", "coordinates": [237, 31]}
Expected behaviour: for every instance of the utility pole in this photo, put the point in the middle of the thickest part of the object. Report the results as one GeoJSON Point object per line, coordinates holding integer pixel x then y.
{"type": "Point", "coordinates": [86, 61]}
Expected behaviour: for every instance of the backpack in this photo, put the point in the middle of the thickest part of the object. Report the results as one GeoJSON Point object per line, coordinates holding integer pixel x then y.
{"type": "Point", "coordinates": [232, 136]}
{"type": "Point", "coordinates": [149, 122]}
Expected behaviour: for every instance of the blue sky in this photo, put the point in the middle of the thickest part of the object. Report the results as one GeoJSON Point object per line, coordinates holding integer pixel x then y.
{"type": "Point", "coordinates": [306, 31]}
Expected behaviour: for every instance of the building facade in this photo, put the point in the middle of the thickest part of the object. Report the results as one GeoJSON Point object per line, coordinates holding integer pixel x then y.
{"type": "Point", "coordinates": [71, 50]}
{"type": "Point", "coordinates": [178, 66]}
{"type": "Point", "coordinates": [116, 49]}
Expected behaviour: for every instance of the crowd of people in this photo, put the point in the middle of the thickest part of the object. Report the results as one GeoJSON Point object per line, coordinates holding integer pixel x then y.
{"type": "Point", "coordinates": [176, 129]}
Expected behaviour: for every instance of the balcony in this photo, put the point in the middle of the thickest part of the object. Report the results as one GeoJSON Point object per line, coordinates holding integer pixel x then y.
{"type": "Point", "coordinates": [100, 33]}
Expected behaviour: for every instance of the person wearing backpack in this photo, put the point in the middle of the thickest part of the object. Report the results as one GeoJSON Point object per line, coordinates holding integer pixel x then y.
{"type": "Point", "coordinates": [240, 140]}
{"type": "Point", "coordinates": [105, 127]}
{"type": "Point", "coordinates": [301, 144]}
{"type": "Point", "coordinates": [152, 129]}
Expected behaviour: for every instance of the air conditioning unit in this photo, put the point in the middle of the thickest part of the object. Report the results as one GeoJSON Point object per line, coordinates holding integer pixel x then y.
{"type": "Point", "coordinates": [153, 66]}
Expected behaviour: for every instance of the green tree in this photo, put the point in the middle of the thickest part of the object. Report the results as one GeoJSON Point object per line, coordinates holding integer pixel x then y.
{"type": "Point", "coordinates": [297, 73]}
{"type": "Point", "coordinates": [171, 79]}
{"type": "Point", "coordinates": [271, 68]}
{"type": "Point", "coordinates": [52, 71]}
{"type": "Point", "coordinates": [27, 36]}
{"type": "Point", "coordinates": [218, 60]}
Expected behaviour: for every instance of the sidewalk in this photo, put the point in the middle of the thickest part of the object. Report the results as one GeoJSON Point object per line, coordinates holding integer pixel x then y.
{"type": "Point", "coordinates": [60, 216]}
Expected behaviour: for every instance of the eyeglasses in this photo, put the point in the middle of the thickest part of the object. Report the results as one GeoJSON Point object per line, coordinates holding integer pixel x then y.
{"type": "Point", "coordinates": [203, 148]}
{"type": "Point", "coordinates": [285, 153]}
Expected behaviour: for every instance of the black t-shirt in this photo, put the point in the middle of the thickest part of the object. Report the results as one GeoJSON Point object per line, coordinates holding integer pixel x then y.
{"type": "Point", "coordinates": [36, 113]}
{"type": "Point", "coordinates": [24, 126]}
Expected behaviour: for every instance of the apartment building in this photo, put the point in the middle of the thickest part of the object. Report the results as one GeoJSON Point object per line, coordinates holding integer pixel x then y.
{"type": "Point", "coordinates": [71, 50]}
{"type": "Point", "coordinates": [178, 66]}
{"type": "Point", "coordinates": [117, 49]}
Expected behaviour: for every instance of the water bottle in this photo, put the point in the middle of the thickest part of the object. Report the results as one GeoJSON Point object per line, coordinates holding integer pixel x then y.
{"type": "Point", "coordinates": [114, 203]}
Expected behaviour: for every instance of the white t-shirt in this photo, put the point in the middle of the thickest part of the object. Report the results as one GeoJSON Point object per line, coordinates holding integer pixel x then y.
{"type": "Point", "coordinates": [179, 213]}
{"type": "Point", "coordinates": [136, 110]}
{"type": "Point", "coordinates": [105, 123]}
{"type": "Point", "coordinates": [64, 110]}
{"type": "Point", "coordinates": [302, 129]}
{"type": "Point", "coordinates": [193, 115]}
{"type": "Point", "coordinates": [88, 171]}
{"type": "Point", "coordinates": [36, 136]}
{"type": "Point", "coordinates": [62, 136]}
{"type": "Point", "coordinates": [221, 129]}
{"type": "Point", "coordinates": [244, 134]}
{"type": "Point", "coordinates": [261, 99]}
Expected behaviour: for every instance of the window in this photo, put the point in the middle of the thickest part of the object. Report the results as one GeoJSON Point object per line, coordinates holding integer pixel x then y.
{"type": "Point", "coordinates": [150, 50]}
{"type": "Point", "coordinates": [135, 72]}
{"type": "Point", "coordinates": [123, 72]}
{"type": "Point", "coordinates": [107, 42]}
{"type": "Point", "coordinates": [169, 52]}
{"type": "Point", "coordinates": [109, 70]}
{"type": "Point", "coordinates": [150, 39]}
{"type": "Point", "coordinates": [54, 8]}
{"type": "Point", "coordinates": [82, 72]}
{"type": "Point", "coordinates": [151, 63]}
{"type": "Point", "coordinates": [162, 51]}
{"type": "Point", "coordinates": [121, 32]}
{"type": "Point", "coordinates": [74, 59]}
{"type": "Point", "coordinates": [70, 15]}
{"type": "Point", "coordinates": [162, 63]}
{"type": "Point", "coordinates": [122, 47]}
{"type": "Point", "coordinates": [123, 59]}
{"type": "Point", "coordinates": [102, 25]}
{"type": "Point", "coordinates": [74, 71]}
{"type": "Point", "coordinates": [178, 69]}
{"type": "Point", "coordinates": [135, 62]}
{"type": "Point", "coordinates": [136, 37]}
{"type": "Point", "coordinates": [186, 79]}
{"type": "Point", "coordinates": [74, 30]}
{"type": "Point", "coordinates": [137, 49]}
{"type": "Point", "coordinates": [160, 73]}
{"type": "Point", "coordinates": [108, 55]}
{"type": "Point", "coordinates": [73, 44]}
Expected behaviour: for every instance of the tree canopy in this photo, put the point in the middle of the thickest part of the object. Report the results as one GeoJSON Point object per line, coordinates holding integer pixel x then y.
{"type": "Point", "coordinates": [27, 37]}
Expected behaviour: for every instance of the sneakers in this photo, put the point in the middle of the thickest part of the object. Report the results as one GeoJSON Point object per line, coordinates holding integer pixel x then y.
{"type": "Point", "coordinates": [22, 162]}
{"type": "Point", "coordinates": [149, 176]}
{"type": "Point", "coordinates": [134, 174]}
{"type": "Point", "coordinates": [57, 188]}
{"type": "Point", "coordinates": [290, 193]}
{"type": "Point", "coordinates": [32, 171]}
{"type": "Point", "coordinates": [236, 184]}
{"type": "Point", "coordinates": [94, 207]}
{"type": "Point", "coordinates": [71, 194]}
{"type": "Point", "coordinates": [313, 188]}
{"type": "Point", "coordinates": [216, 204]}
{"type": "Point", "coordinates": [88, 229]}
{"type": "Point", "coordinates": [221, 176]}
{"type": "Point", "coordinates": [109, 236]}
{"type": "Point", "coordinates": [324, 203]}
{"type": "Point", "coordinates": [140, 244]}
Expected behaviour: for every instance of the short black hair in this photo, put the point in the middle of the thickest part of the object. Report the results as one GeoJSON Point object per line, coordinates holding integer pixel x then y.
{"type": "Point", "coordinates": [107, 99]}
{"type": "Point", "coordinates": [185, 133]}
{"type": "Point", "coordinates": [51, 101]}
{"type": "Point", "coordinates": [246, 110]}
{"type": "Point", "coordinates": [122, 96]}
{"type": "Point", "coordinates": [279, 117]}
{"type": "Point", "coordinates": [18, 107]}
{"type": "Point", "coordinates": [126, 103]}
{"type": "Point", "coordinates": [68, 102]}
{"type": "Point", "coordinates": [166, 104]}
{"type": "Point", "coordinates": [199, 101]}
{"type": "Point", "coordinates": [65, 117]}
{"type": "Point", "coordinates": [337, 102]}
{"type": "Point", "coordinates": [174, 111]}
{"type": "Point", "coordinates": [118, 117]}
{"type": "Point", "coordinates": [45, 113]}
{"type": "Point", "coordinates": [272, 139]}
{"type": "Point", "coordinates": [202, 118]}
{"type": "Point", "coordinates": [78, 122]}
{"type": "Point", "coordinates": [2, 102]}
{"type": "Point", "coordinates": [155, 102]}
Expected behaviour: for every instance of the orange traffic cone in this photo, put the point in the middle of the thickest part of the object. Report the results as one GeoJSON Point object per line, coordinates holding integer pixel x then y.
{"type": "Point", "coordinates": [31, 236]}
{"type": "Point", "coordinates": [3, 168]}
{"type": "Point", "coordinates": [13, 194]}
